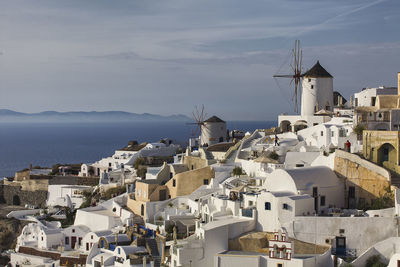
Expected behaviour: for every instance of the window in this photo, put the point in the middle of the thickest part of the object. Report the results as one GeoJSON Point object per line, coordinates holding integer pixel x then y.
{"type": "Point", "coordinates": [373, 100]}
{"type": "Point", "coordinates": [285, 206]}
{"type": "Point", "coordinates": [299, 165]}
{"type": "Point", "coordinates": [322, 201]}
{"type": "Point", "coordinates": [250, 203]}
{"type": "Point", "coordinates": [267, 205]}
{"type": "Point", "coordinates": [73, 230]}
{"type": "Point", "coordinates": [341, 231]}
{"type": "Point", "coordinates": [109, 164]}
{"type": "Point", "coordinates": [42, 238]}
{"type": "Point", "coordinates": [80, 241]}
{"type": "Point", "coordinates": [309, 80]}
{"type": "Point", "coordinates": [91, 237]}
{"type": "Point", "coordinates": [66, 240]}
{"type": "Point", "coordinates": [173, 182]}
{"type": "Point", "coordinates": [352, 192]}
{"type": "Point", "coordinates": [332, 133]}
{"type": "Point", "coordinates": [170, 175]}
{"type": "Point", "coordinates": [205, 181]}
{"type": "Point", "coordinates": [322, 133]}
{"type": "Point", "coordinates": [192, 167]}
{"type": "Point", "coordinates": [279, 265]}
{"type": "Point", "coordinates": [312, 86]}
{"type": "Point", "coordinates": [315, 123]}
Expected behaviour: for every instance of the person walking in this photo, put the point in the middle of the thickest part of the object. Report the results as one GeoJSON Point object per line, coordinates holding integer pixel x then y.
{"type": "Point", "coordinates": [276, 140]}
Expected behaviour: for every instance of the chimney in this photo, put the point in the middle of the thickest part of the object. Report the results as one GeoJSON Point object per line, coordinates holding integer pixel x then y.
{"type": "Point", "coordinates": [30, 166]}
{"type": "Point", "coordinates": [398, 83]}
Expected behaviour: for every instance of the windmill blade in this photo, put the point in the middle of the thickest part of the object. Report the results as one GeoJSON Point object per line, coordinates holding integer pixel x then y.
{"type": "Point", "coordinates": [282, 76]}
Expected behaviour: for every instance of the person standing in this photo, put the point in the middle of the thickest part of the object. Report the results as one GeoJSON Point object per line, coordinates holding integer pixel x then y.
{"type": "Point", "coordinates": [348, 146]}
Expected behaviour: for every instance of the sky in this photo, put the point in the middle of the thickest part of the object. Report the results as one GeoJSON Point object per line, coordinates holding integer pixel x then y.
{"type": "Point", "coordinates": [167, 56]}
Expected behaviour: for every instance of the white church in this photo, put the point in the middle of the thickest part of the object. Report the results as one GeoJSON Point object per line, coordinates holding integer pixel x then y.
{"type": "Point", "coordinates": [316, 101]}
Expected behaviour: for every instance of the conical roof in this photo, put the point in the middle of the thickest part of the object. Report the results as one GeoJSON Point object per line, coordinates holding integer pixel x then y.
{"type": "Point", "coordinates": [214, 119]}
{"type": "Point", "coordinates": [317, 71]}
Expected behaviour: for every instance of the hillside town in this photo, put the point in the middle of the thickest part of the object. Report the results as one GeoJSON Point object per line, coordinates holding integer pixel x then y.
{"type": "Point", "coordinates": [319, 189]}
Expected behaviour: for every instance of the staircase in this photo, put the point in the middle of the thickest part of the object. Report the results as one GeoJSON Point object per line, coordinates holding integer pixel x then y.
{"type": "Point", "coordinates": [151, 246]}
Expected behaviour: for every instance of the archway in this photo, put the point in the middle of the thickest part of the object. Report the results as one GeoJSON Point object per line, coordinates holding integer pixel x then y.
{"type": "Point", "coordinates": [387, 152]}
{"type": "Point", "coordinates": [300, 125]}
{"type": "Point", "coordinates": [16, 200]}
{"type": "Point", "coordinates": [285, 126]}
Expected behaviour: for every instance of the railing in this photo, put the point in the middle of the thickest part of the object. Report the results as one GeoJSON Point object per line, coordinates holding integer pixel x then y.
{"type": "Point", "coordinates": [352, 252]}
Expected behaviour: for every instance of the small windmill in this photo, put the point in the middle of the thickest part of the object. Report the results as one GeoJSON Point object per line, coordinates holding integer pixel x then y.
{"type": "Point", "coordinates": [198, 117]}
{"type": "Point", "coordinates": [295, 65]}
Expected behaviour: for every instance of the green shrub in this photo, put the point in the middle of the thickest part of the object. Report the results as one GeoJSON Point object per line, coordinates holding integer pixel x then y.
{"type": "Point", "coordinates": [113, 192]}
{"type": "Point", "coordinates": [237, 171]}
{"type": "Point", "coordinates": [273, 155]}
{"type": "Point", "coordinates": [375, 261]}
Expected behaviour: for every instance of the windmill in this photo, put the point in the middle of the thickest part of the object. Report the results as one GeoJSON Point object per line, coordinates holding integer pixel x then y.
{"type": "Point", "coordinates": [198, 117]}
{"type": "Point", "coordinates": [295, 65]}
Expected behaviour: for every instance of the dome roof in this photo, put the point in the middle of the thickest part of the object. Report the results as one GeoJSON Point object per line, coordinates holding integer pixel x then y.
{"type": "Point", "coordinates": [301, 179]}
{"type": "Point", "coordinates": [317, 71]}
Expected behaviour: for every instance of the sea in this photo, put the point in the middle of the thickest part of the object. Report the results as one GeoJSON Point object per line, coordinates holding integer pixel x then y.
{"type": "Point", "coordinates": [46, 144]}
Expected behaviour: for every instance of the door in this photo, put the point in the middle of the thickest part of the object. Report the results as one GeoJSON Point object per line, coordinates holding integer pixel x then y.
{"type": "Point", "coordinates": [315, 195]}
{"type": "Point", "coordinates": [73, 241]}
{"type": "Point", "coordinates": [163, 194]}
{"type": "Point", "coordinates": [341, 245]}
{"type": "Point", "coordinates": [352, 197]}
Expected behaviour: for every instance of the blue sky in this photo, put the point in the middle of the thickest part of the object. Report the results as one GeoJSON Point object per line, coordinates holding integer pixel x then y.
{"type": "Point", "coordinates": [166, 56]}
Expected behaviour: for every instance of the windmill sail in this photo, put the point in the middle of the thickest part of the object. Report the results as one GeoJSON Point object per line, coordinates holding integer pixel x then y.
{"type": "Point", "coordinates": [295, 76]}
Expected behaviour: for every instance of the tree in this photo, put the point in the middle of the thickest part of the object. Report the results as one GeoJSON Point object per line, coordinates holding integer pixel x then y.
{"type": "Point", "coordinates": [138, 163]}
{"type": "Point", "coordinates": [141, 172]}
{"type": "Point", "coordinates": [358, 130]}
{"type": "Point", "coordinates": [237, 171]}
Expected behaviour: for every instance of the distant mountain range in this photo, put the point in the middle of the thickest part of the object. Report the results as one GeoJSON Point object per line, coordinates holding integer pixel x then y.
{"type": "Point", "coordinates": [7, 115]}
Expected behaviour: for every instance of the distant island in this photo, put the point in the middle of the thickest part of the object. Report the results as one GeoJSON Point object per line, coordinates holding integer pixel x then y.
{"type": "Point", "coordinates": [7, 115]}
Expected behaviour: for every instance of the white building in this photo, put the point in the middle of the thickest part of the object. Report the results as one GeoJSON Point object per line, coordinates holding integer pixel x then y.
{"type": "Point", "coordinates": [107, 216]}
{"type": "Point", "coordinates": [60, 195]}
{"type": "Point", "coordinates": [317, 91]}
{"type": "Point", "coordinates": [330, 135]}
{"type": "Point", "coordinates": [316, 101]}
{"type": "Point", "coordinates": [367, 97]}
{"type": "Point", "coordinates": [297, 192]}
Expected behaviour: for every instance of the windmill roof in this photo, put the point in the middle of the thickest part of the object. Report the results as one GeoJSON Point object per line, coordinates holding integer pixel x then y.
{"type": "Point", "coordinates": [317, 71]}
{"type": "Point", "coordinates": [214, 119]}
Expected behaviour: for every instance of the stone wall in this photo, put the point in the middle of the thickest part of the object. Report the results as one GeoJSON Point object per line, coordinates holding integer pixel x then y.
{"type": "Point", "coordinates": [14, 195]}
{"type": "Point", "coordinates": [185, 183]}
{"type": "Point", "coordinates": [370, 180]}
{"type": "Point", "coordinates": [64, 260]}
{"type": "Point", "coordinates": [194, 162]}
